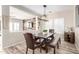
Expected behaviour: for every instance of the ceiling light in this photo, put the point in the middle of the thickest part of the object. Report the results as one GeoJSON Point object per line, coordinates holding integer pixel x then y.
{"type": "Point", "coordinates": [44, 16]}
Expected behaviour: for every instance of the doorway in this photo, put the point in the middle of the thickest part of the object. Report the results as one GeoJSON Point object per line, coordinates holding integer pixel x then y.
{"type": "Point", "coordinates": [59, 26]}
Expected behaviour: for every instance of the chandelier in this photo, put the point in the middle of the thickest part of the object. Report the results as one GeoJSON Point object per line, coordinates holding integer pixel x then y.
{"type": "Point", "coordinates": [44, 10]}
{"type": "Point", "coordinates": [44, 16]}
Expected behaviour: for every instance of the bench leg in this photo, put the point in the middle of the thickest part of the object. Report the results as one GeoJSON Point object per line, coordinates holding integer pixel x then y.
{"type": "Point", "coordinates": [54, 50]}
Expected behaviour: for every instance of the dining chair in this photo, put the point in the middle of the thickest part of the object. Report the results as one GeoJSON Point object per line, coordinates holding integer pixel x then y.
{"type": "Point", "coordinates": [48, 41]}
{"type": "Point", "coordinates": [52, 42]}
{"type": "Point", "coordinates": [31, 42]}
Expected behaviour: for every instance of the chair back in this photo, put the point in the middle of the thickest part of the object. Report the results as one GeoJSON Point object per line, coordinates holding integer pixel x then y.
{"type": "Point", "coordinates": [29, 40]}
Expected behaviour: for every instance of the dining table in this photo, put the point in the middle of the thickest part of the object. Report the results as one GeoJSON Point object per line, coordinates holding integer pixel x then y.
{"type": "Point", "coordinates": [47, 39]}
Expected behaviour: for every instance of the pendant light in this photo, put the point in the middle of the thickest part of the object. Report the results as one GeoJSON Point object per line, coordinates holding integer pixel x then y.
{"type": "Point", "coordinates": [44, 16]}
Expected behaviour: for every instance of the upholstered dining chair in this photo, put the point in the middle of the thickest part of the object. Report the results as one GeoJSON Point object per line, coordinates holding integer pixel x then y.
{"type": "Point", "coordinates": [31, 42]}
{"type": "Point", "coordinates": [52, 42]}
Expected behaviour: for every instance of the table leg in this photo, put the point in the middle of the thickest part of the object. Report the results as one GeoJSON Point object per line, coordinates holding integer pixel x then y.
{"type": "Point", "coordinates": [46, 49]}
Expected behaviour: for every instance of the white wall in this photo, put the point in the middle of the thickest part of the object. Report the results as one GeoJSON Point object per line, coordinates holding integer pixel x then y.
{"type": "Point", "coordinates": [19, 14]}
{"type": "Point", "coordinates": [68, 16]}
{"type": "Point", "coordinates": [76, 28]}
{"type": "Point", "coordinates": [77, 38]}
{"type": "Point", "coordinates": [0, 28]}
{"type": "Point", "coordinates": [0, 17]}
{"type": "Point", "coordinates": [9, 38]}
{"type": "Point", "coordinates": [12, 38]}
{"type": "Point", "coordinates": [5, 24]}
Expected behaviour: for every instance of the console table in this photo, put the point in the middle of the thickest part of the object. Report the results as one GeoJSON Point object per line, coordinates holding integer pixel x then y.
{"type": "Point", "coordinates": [69, 37]}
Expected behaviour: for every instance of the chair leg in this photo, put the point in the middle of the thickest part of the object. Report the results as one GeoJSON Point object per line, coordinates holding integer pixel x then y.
{"type": "Point", "coordinates": [40, 49]}
{"type": "Point", "coordinates": [26, 50]}
{"type": "Point", "coordinates": [33, 52]}
{"type": "Point", "coordinates": [60, 40]}
{"type": "Point", "coordinates": [54, 50]}
{"type": "Point", "coordinates": [58, 45]}
{"type": "Point", "coordinates": [46, 49]}
{"type": "Point", "coordinates": [40, 46]}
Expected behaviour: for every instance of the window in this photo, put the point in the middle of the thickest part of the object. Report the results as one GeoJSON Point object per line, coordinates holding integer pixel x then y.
{"type": "Point", "coordinates": [29, 24]}
{"type": "Point", "coordinates": [59, 25]}
{"type": "Point", "coordinates": [14, 26]}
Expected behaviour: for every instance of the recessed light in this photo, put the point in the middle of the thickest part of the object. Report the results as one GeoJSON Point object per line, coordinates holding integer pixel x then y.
{"type": "Point", "coordinates": [50, 11]}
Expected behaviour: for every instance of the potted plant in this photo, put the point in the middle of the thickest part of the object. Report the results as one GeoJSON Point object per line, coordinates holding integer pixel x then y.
{"type": "Point", "coordinates": [45, 31]}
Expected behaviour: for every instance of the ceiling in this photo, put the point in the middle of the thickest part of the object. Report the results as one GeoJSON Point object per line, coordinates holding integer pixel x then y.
{"type": "Point", "coordinates": [20, 14]}
{"type": "Point", "coordinates": [29, 11]}
{"type": "Point", "coordinates": [50, 8]}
